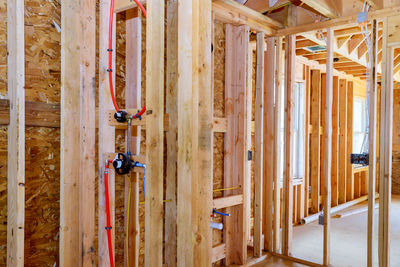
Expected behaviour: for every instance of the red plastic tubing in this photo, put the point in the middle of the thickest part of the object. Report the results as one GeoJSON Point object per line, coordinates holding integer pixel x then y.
{"type": "Point", "coordinates": [110, 53]}
{"type": "Point", "coordinates": [108, 226]}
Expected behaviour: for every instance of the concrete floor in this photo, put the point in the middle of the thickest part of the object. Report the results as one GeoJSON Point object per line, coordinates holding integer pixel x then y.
{"type": "Point", "coordinates": [348, 239]}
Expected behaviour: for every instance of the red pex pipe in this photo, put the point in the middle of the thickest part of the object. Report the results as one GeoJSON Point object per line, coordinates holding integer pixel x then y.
{"type": "Point", "coordinates": [108, 226]}
{"type": "Point", "coordinates": [110, 53]}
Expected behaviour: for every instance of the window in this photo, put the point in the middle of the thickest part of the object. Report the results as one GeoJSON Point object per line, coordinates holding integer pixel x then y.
{"type": "Point", "coordinates": [360, 131]}
{"type": "Point", "coordinates": [298, 133]}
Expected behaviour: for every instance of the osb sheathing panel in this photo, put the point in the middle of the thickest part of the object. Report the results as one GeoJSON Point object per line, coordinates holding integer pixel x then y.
{"type": "Point", "coordinates": [219, 111]}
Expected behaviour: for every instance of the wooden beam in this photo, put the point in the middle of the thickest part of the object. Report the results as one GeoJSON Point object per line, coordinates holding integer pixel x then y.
{"type": "Point", "coordinates": [335, 141]}
{"type": "Point", "coordinates": [37, 114]}
{"type": "Point", "coordinates": [16, 133]}
{"type": "Point", "coordinates": [342, 22]}
{"type": "Point", "coordinates": [342, 141]}
{"type": "Point", "coordinates": [237, 41]}
{"type": "Point", "coordinates": [154, 133]}
{"type": "Point", "coordinates": [229, 11]}
{"type": "Point", "coordinates": [277, 141]}
{"type": "Point", "coordinates": [133, 88]}
{"type": "Point", "coordinates": [195, 116]}
{"type": "Point", "coordinates": [170, 233]}
{"type": "Point", "coordinates": [106, 134]}
{"type": "Point", "coordinates": [87, 173]}
{"type": "Point", "coordinates": [372, 88]}
{"type": "Point", "coordinates": [315, 139]}
{"type": "Point", "coordinates": [290, 55]}
{"type": "Point", "coordinates": [269, 154]}
{"type": "Point", "coordinates": [218, 252]}
{"type": "Point", "coordinates": [225, 202]}
{"type": "Point", "coordinates": [259, 145]}
{"type": "Point", "coordinates": [385, 157]}
{"type": "Point", "coordinates": [122, 5]}
{"type": "Point", "coordinates": [349, 170]}
{"type": "Point", "coordinates": [307, 102]}
{"type": "Point", "coordinates": [69, 148]}
{"type": "Point", "coordinates": [322, 7]}
{"type": "Point", "coordinates": [326, 194]}
{"type": "Point", "coordinates": [354, 42]}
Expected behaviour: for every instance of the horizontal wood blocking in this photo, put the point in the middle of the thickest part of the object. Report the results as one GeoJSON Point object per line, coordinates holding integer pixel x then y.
{"type": "Point", "coordinates": [36, 114]}
{"type": "Point", "coordinates": [218, 252]}
{"type": "Point", "coordinates": [230, 201]}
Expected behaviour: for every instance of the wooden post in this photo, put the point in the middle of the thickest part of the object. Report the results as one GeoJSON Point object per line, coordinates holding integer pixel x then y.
{"type": "Point", "coordinates": [87, 174]}
{"type": "Point", "coordinates": [277, 142]}
{"type": "Point", "coordinates": [342, 141]}
{"type": "Point", "coordinates": [349, 170]}
{"type": "Point", "coordinates": [133, 88]}
{"type": "Point", "coordinates": [70, 123]}
{"type": "Point", "coordinates": [385, 174]}
{"type": "Point", "coordinates": [290, 53]}
{"type": "Point", "coordinates": [372, 88]}
{"type": "Point", "coordinates": [315, 139]}
{"type": "Point", "coordinates": [335, 140]}
{"type": "Point", "coordinates": [237, 41]}
{"type": "Point", "coordinates": [16, 133]}
{"type": "Point", "coordinates": [326, 196]}
{"type": "Point", "coordinates": [154, 133]}
{"type": "Point", "coordinates": [307, 139]}
{"type": "Point", "coordinates": [172, 133]}
{"type": "Point", "coordinates": [195, 135]}
{"type": "Point", "coordinates": [259, 147]}
{"type": "Point", "coordinates": [269, 130]}
{"type": "Point", "coordinates": [106, 134]}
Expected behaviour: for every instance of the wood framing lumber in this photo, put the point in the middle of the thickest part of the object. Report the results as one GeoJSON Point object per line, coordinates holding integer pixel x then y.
{"type": "Point", "coordinates": [229, 11]}
{"type": "Point", "coordinates": [106, 134]}
{"type": "Point", "coordinates": [277, 141]}
{"type": "Point", "coordinates": [335, 141]}
{"type": "Point", "coordinates": [340, 22]}
{"type": "Point", "coordinates": [249, 137]}
{"type": "Point", "coordinates": [372, 89]}
{"type": "Point", "coordinates": [269, 128]}
{"type": "Point", "coordinates": [16, 134]}
{"type": "Point", "coordinates": [290, 63]}
{"type": "Point", "coordinates": [259, 145]}
{"type": "Point", "coordinates": [122, 5]}
{"type": "Point", "coordinates": [342, 141]}
{"type": "Point", "coordinates": [326, 193]}
{"type": "Point", "coordinates": [170, 233]}
{"type": "Point", "coordinates": [154, 133]}
{"type": "Point", "coordinates": [315, 140]}
{"type": "Point", "coordinates": [133, 88]}
{"type": "Point", "coordinates": [307, 102]}
{"type": "Point", "coordinates": [385, 157]}
{"type": "Point", "coordinates": [36, 114]}
{"type": "Point", "coordinates": [322, 134]}
{"type": "Point", "coordinates": [349, 167]}
{"type": "Point", "coordinates": [195, 135]}
{"type": "Point", "coordinates": [237, 42]}
{"type": "Point", "coordinates": [87, 173]}
{"type": "Point", "coordinates": [322, 7]}
{"type": "Point", "coordinates": [225, 202]}
{"type": "Point", "coordinates": [70, 125]}
{"type": "Point", "coordinates": [218, 252]}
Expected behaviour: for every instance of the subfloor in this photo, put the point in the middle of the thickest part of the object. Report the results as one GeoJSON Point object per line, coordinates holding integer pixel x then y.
{"type": "Point", "coordinates": [277, 262]}
{"type": "Point", "coordinates": [348, 239]}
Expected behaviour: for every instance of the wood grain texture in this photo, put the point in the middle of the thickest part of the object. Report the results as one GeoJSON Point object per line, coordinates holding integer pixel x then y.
{"type": "Point", "coordinates": [335, 141]}
{"type": "Point", "coordinates": [70, 122]}
{"type": "Point", "coordinates": [172, 134]}
{"type": "Point", "coordinates": [349, 167]}
{"type": "Point", "coordinates": [154, 133]}
{"type": "Point", "coordinates": [237, 41]}
{"type": "Point", "coordinates": [16, 134]}
{"type": "Point", "coordinates": [259, 146]}
{"type": "Point", "coordinates": [315, 140]}
{"type": "Point", "coordinates": [342, 141]}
